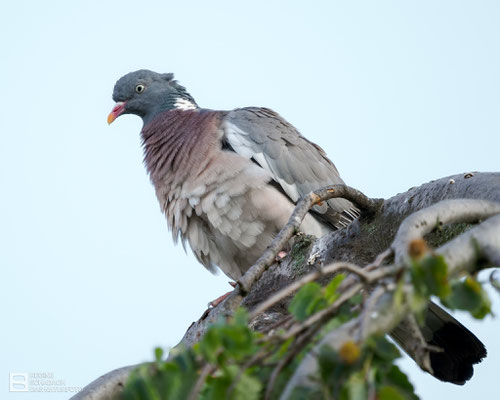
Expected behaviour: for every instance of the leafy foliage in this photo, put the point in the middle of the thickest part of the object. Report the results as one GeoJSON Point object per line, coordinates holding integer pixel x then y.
{"type": "Point", "coordinates": [430, 277]}
{"type": "Point", "coordinates": [231, 361]}
{"type": "Point", "coordinates": [372, 371]}
{"type": "Point", "coordinates": [312, 297]}
{"type": "Point", "coordinates": [223, 348]}
{"type": "Point", "coordinates": [240, 361]}
{"type": "Point", "coordinates": [469, 295]}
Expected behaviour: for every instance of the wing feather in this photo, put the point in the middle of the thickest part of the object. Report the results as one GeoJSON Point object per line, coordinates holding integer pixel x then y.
{"type": "Point", "coordinates": [296, 164]}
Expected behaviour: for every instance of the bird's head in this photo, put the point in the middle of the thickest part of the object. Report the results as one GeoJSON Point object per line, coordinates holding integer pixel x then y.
{"type": "Point", "coordinates": [146, 93]}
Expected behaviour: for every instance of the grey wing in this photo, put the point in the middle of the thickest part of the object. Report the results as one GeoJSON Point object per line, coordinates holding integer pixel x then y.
{"type": "Point", "coordinates": [296, 164]}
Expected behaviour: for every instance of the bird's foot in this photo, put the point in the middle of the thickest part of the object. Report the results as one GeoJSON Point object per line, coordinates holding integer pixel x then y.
{"type": "Point", "coordinates": [281, 255]}
{"type": "Point", "coordinates": [218, 300]}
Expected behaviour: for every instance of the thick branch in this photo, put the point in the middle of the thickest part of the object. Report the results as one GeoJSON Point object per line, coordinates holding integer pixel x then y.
{"type": "Point", "coordinates": [464, 253]}
{"type": "Point", "coordinates": [424, 221]}
{"type": "Point", "coordinates": [106, 387]}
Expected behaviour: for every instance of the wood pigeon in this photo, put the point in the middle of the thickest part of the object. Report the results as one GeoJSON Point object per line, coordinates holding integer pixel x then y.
{"type": "Point", "coordinates": [228, 181]}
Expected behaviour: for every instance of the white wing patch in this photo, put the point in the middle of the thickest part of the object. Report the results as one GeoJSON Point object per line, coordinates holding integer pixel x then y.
{"type": "Point", "coordinates": [290, 189]}
{"type": "Point", "coordinates": [242, 145]}
{"type": "Point", "coordinates": [239, 141]}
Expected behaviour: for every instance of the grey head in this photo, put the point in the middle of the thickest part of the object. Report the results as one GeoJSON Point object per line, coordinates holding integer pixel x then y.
{"type": "Point", "coordinates": [146, 93]}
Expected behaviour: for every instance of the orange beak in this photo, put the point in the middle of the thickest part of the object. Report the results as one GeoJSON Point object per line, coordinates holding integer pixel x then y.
{"type": "Point", "coordinates": [117, 110]}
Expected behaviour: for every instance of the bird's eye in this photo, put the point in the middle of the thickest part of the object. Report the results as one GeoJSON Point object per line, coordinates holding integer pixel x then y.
{"type": "Point", "coordinates": [140, 88]}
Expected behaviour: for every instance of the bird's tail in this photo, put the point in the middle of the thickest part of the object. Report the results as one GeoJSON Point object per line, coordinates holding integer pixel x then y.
{"type": "Point", "coordinates": [461, 348]}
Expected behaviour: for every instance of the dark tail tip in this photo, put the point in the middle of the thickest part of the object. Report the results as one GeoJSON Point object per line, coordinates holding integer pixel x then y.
{"type": "Point", "coordinates": [462, 349]}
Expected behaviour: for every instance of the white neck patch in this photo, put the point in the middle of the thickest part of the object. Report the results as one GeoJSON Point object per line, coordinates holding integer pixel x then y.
{"type": "Point", "coordinates": [183, 104]}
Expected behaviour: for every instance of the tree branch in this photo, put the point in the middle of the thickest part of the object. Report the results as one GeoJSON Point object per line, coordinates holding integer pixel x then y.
{"type": "Point", "coordinates": [293, 287]}
{"type": "Point", "coordinates": [107, 386]}
{"type": "Point", "coordinates": [359, 244]}
{"type": "Point", "coordinates": [464, 253]}
{"type": "Point", "coordinates": [461, 255]}
{"type": "Point", "coordinates": [417, 225]}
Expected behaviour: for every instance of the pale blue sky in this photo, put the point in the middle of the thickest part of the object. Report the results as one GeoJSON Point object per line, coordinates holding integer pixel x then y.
{"type": "Point", "coordinates": [397, 93]}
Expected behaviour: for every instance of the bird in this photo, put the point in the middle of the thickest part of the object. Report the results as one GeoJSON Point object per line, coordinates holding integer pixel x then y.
{"type": "Point", "coordinates": [227, 182]}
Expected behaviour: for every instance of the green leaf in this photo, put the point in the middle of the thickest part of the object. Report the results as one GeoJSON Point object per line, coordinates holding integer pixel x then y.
{"type": "Point", "coordinates": [398, 378]}
{"type": "Point", "coordinates": [216, 388]}
{"type": "Point", "coordinates": [210, 344]}
{"type": "Point", "coordinates": [331, 289]}
{"type": "Point", "coordinates": [418, 304]}
{"type": "Point", "coordinates": [328, 361]}
{"type": "Point", "coordinates": [333, 323]}
{"type": "Point", "coordinates": [383, 350]}
{"type": "Point", "coordinates": [223, 385]}
{"type": "Point", "coordinates": [238, 341]}
{"type": "Point", "coordinates": [307, 301]}
{"type": "Point", "coordinates": [357, 299]}
{"type": "Point", "coordinates": [355, 388]}
{"type": "Point", "coordinates": [301, 393]}
{"type": "Point", "coordinates": [430, 276]}
{"type": "Point", "coordinates": [182, 381]}
{"type": "Point", "coordinates": [158, 354]}
{"type": "Point", "coordinates": [331, 371]}
{"type": "Point", "coordinates": [240, 317]}
{"type": "Point", "coordinates": [247, 388]}
{"type": "Point", "coordinates": [284, 347]}
{"type": "Point", "coordinates": [139, 389]}
{"type": "Point", "coordinates": [335, 373]}
{"type": "Point", "coordinates": [399, 295]}
{"type": "Point", "coordinates": [389, 393]}
{"type": "Point", "coordinates": [470, 296]}
{"type": "Point", "coordinates": [163, 380]}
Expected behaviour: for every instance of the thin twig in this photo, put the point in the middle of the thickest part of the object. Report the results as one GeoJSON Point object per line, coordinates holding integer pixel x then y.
{"type": "Point", "coordinates": [312, 276]}
{"type": "Point", "coordinates": [379, 260]}
{"type": "Point", "coordinates": [352, 279]}
{"type": "Point", "coordinates": [324, 314]}
{"type": "Point", "coordinates": [347, 294]}
{"type": "Point", "coordinates": [301, 209]}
